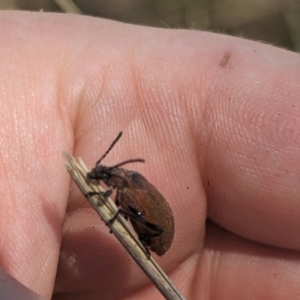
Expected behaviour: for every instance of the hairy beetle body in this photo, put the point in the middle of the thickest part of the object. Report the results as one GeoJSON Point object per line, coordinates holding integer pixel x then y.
{"type": "Point", "coordinates": [148, 211]}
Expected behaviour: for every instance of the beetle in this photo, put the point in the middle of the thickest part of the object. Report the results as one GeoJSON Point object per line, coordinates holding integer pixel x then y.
{"type": "Point", "coordinates": [137, 199]}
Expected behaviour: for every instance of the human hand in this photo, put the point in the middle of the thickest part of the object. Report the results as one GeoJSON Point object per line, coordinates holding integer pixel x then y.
{"type": "Point", "coordinates": [216, 119]}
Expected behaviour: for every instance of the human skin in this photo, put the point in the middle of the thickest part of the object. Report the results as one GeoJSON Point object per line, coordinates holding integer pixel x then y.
{"type": "Point", "coordinates": [217, 120]}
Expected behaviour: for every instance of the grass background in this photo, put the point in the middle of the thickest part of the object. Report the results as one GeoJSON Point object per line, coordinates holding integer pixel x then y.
{"type": "Point", "coordinates": [273, 21]}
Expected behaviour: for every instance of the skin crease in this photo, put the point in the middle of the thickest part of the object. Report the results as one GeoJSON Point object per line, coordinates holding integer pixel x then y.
{"type": "Point", "coordinates": [221, 141]}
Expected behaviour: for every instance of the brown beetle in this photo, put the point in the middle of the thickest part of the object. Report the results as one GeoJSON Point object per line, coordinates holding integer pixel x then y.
{"type": "Point", "coordinates": [148, 211]}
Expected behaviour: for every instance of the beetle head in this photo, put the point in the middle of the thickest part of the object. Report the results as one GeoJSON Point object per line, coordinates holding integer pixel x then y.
{"type": "Point", "coordinates": [105, 174]}
{"type": "Point", "coordinates": [100, 172]}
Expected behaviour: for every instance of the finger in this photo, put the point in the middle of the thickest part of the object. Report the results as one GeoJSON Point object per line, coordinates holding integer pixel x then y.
{"type": "Point", "coordinates": [232, 267]}
{"type": "Point", "coordinates": [180, 132]}
{"type": "Point", "coordinates": [251, 173]}
{"type": "Point", "coordinates": [35, 131]}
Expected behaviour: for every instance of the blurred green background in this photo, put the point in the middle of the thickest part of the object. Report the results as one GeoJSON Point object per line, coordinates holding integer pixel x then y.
{"type": "Point", "coordinates": [272, 21]}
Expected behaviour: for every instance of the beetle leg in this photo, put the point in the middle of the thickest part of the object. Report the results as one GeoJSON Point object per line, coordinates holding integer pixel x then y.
{"type": "Point", "coordinates": [113, 219]}
{"type": "Point", "coordinates": [146, 247]}
{"type": "Point", "coordinates": [138, 216]}
{"type": "Point", "coordinates": [105, 194]}
{"type": "Point", "coordinates": [118, 198]}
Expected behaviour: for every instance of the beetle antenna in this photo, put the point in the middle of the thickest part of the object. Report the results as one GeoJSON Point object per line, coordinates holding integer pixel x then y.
{"type": "Point", "coordinates": [141, 160]}
{"type": "Point", "coordinates": [110, 147]}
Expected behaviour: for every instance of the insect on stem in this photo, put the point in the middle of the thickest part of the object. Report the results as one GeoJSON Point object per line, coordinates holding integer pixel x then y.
{"type": "Point", "coordinates": [135, 193]}
{"type": "Point", "coordinates": [105, 208]}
